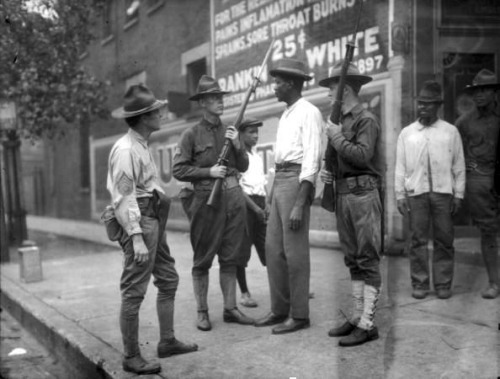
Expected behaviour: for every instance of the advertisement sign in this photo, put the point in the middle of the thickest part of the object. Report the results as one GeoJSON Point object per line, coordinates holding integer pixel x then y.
{"type": "Point", "coordinates": [314, 31]}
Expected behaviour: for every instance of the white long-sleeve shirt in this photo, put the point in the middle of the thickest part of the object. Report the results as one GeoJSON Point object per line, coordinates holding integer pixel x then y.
{"type": "Point", "coordinates": [436, 148]}
{"type": "Point", "coordinates": [298, 139]}
{"type": "Point", "coordinates": [253, 181]}
{"type": "Point", "coordinates": [131, 174]}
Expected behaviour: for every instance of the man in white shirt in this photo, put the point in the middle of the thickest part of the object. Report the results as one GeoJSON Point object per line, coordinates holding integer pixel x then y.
{"type": "Point", "coordinates": [298, 159]}
{"type": "Point", "coordinates": [253, 184]}
{"type": "Point", "coordinates": [430, 185]}
{"type": "Point", "coordinates": [141, 210]}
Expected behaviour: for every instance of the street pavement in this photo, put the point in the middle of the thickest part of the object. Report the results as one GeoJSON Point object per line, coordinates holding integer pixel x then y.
{"type": "Point", "coordinates": [79, 300]}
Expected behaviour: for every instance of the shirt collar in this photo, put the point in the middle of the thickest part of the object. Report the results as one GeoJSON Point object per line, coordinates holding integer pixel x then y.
{"type": "Point", "coordinates": [139, 138]}
{"type": "Point", "coordinates": [421, 126]}
{"type": "Point", "coordinates": [355, 110]}
{"type": "Point", "coordinates": [207, 124]}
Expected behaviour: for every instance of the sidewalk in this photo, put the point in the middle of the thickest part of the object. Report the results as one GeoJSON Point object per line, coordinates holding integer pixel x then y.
{"type": "Point", "coordinates": [76, 308]}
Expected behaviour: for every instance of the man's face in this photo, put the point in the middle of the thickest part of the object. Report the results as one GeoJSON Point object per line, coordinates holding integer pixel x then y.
{"type": "Point", "coordinates": [427, 110]}
{"type": "Point", "coordinates": [250, 136]}
{"type": "Point", "coordinates": [153, 119]}
{"type": "Point", "coordinates": [213, 104]}
{"type": "Point", "coordinates": [332, 93]}
{"type": "Point", "coordinates": [483, 96]}
{"type": "Point", "coordinates": [282, 88]}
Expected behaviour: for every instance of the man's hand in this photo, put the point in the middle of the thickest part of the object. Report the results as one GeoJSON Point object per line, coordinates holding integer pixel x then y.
{"type": "Point", "coordinates": [333, 129]}
{"type": "Point", "coordinates": [141, 253]}
{"type": "Point", "coordinates": [326, 176]}
{"type": "Point", "coordinates": [403, 206]}
{"type": "Point", "coordinates": [234, 136]}
{"type": "Point", "coordinates": [295, 221]}
{"type": "Point", "coordinates": [456, 203]}
{"type": "Point", "coordinates": [218, 171]}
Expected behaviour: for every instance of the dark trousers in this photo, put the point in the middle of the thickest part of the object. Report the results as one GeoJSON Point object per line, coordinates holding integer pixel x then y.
{"type": "Point", "coordinates": [425, 210]}
{"type": "Point", "coordinates": [358, 225]}
{"type": "Point", "coordinates": [217, 230]}
{"type": "Point", "coordinates": [255, 235]}
{"type": "Point", "coordinates": [287, 250]}
{"type": "Point", "coordinates": [135, 278]}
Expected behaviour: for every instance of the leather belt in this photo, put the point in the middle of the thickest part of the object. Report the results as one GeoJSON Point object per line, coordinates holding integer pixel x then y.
{"type": "Point", "coordinates": [207, 184]}
{"type": "Point", "coordinates": [356, 184]}
{"type": "Point", "coordinates": [287, 166]}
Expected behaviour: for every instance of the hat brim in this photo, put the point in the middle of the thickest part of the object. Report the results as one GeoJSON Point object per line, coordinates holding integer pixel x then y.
{"type": "Point", "coordinates": [471, 88]}
{"type": "Point", "coordinates": [427, 100]}
{"type": "Point", "coordinates": [361, 79]}
{"type": "Point", "coordinates": [199, 95]}
{"type": "Point", "coordinates": [122, 113]}
{"type": "Point", "coordinates": [299, 74]}
{"type": "Point", "coordinates": [249, 125]}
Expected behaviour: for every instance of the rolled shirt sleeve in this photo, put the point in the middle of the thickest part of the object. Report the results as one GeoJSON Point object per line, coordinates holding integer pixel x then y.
{"type": "Point", "coordinates": [458, 167]}
{"type": "Point", "coordinates": [400, 171]}
{"type": "Point", "coordinates": [312, 148]}
{"type": "Point", "coordinates": [122, 186]}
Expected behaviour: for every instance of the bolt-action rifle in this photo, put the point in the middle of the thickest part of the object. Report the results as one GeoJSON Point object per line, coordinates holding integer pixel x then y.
{"type": "Point", "coordinates": [328, 198]}
{"type": "Point", "coordinates": [223, 156]}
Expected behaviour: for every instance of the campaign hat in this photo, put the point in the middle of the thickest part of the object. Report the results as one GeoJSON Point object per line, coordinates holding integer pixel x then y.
{"type": "Point", "coordinates": [138, 99]}
{"type": "Point", "coordinates": [353, 75]}
{"type": "Point", "coordinates": [483, 79]}
{"type": "Point", "coordinates": [207, 86]}
{"type": "Point", "coordinates": [290, 67]}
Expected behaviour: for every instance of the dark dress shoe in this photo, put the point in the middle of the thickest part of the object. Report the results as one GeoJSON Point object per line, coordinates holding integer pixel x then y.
{"type": "Point", "coordinates": [235, 315]}
{"type": "Point", "coordinates": [291, 325]}
{"type": "Point", "coordinates": [419, 293]}
{"type": "Point", "coordinates": [344, 330]}
{"type": "Point", "coordinates": [138, 365]}
{"type": "Point", "coordinates": [203, 322]}
{"type": "Point", "coordinates": [270, 319]}
{"type": "Point", "coordinates": [359, 336]}
{"type": "Point", "coordinates": [174, 346]}
{"type": "Point", "coordinates": [443, 293]}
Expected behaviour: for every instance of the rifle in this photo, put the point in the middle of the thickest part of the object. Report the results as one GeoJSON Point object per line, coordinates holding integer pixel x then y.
{"type": "Point", "coordinates": [328, 198]}
{"type": "Point", "coordinates": [223, 156]}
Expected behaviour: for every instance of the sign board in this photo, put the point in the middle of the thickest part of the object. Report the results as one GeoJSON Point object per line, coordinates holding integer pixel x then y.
{"type": "Point", "coordinates": [314, 31]}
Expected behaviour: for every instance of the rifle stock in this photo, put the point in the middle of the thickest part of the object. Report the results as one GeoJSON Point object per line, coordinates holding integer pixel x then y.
{"type": "Point", "coordinates": [214, 195]}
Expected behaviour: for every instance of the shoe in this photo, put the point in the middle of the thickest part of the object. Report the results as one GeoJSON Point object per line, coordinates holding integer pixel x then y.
{"type": "Point", "coordinates": [359, 336]}
{"type": "Point", "coordinates": [344, 330]}
{"type": "Point", "coordinates": [291, 325]}
{"type": "Point", "coordinates": [203, 322]}
{"type": "Point", "coordinates": [491, 292]}
{"type": "Point", "coordinates": [443, 293]}
{"type": "Point", "coordinates": [138, 365]}
{"type": "Point", "coordinates": [174, 346]}
{"type": "Point", "coordinates": [247, 301]}
{"type": "Point", "coordinates": [235, 315]}
{"type": "Point", "coordinates": [419, 293]}
{"type": "Point", "coordinates": [270, 319]}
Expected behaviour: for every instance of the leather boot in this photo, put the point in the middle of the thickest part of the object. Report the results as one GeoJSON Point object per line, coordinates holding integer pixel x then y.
{"type": "Point", "coordinates": [138, 365]}
{"type": "Point", "coordinates": [165, 310]}
{"type": "Point", "coordinates": [200, 287]}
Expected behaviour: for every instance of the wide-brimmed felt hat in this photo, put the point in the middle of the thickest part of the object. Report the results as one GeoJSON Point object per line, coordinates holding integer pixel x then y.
{"type": "Point", "coordinates": [290, 67]}
{"type": "Point", "coordinates": [207, 86]}
{"type": "Point", "coordinates": [430, 92]}
{"type": "Point", "coordinates": [483, 79]}
{"type": "Point", "coordinates": [353, 75]}
{"type": "Point", "coordinates": [248, 122]}
{"type": "Point", "coordinates": [138, 99]}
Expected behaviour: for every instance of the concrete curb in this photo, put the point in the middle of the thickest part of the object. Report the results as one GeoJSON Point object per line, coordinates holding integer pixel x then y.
{"type": "Point", "coordinates": [90, 357]}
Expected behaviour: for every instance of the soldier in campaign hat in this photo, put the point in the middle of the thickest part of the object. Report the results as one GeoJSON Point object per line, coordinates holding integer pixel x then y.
{"type": "Point", "coordinates": [137, 219]}
{"type": "Point", "coordinates": [215, 230]}
{"type": "Point", "coordinates": [298, 159]}
{"type": "Point", "coordinates": [480, 131]}
{"type": "Point", "coordinates": [357, 171]}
